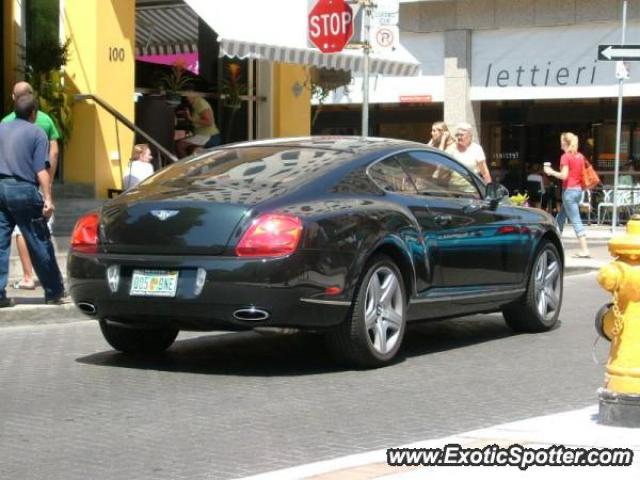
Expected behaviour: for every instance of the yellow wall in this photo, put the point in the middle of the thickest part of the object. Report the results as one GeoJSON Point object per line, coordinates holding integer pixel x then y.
{"type": "Point", "coordinates": [9, 42]}
{"type": "Point", "coordinates": [98, 150]}
{"type": "Point", "coordinates": [292, 115]}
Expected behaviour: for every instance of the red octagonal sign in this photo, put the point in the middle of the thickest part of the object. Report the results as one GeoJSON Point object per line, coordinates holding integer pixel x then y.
{"type": "Point", "coordinates": [330, 25]}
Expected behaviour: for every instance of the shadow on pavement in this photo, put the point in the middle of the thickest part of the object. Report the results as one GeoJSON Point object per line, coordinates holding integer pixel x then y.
{"type": "Point", "coordinates": [253, 354]}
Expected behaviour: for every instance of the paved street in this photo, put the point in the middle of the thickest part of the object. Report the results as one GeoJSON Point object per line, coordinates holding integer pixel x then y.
{"type": "Point", "coordinates": [230, 405]}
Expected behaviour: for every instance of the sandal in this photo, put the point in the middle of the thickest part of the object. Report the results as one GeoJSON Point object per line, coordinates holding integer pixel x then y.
{"type": "Point", "coordinates": [19, 285]}
{"type": "Point", "coordinates": [581, 255]}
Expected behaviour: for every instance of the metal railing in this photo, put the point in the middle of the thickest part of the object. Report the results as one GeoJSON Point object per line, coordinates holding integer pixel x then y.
{"type": "Point", "coordinates": [125, 121]}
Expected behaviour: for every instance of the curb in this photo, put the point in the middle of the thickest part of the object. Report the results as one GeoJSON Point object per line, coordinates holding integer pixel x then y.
{"type": "Point", "coordinates": [24, 314]}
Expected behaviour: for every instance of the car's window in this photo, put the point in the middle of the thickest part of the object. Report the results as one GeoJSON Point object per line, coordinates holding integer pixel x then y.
{"type": "Point", "coordinates": [247, 166]}
{"type": "Point", "coordinates": [390, 176]}
{"type": "Point", "coordinates": [437, 175]}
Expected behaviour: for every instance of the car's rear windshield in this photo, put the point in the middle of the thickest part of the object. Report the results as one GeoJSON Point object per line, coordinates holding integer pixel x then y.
{"type": "Point", "coordinates": [250, 165]}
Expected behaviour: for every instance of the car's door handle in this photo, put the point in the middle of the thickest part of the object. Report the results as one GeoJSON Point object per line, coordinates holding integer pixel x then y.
{"type": "Point", "coordinates": [443, 220]}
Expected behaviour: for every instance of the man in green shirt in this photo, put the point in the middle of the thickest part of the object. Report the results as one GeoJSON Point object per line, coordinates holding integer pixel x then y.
{"type": "Point", "coordinates": [45, 122]}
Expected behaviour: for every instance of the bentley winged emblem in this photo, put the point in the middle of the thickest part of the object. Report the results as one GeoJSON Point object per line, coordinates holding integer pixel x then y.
{"type": "Point", "coordinates": [162, 215]}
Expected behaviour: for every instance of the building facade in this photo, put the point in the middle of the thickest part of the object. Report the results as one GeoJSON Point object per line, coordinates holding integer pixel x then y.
{"type": "Point", "coordinates": [102, 59]}
{"type": "Point", "coordinates": [520, 71]}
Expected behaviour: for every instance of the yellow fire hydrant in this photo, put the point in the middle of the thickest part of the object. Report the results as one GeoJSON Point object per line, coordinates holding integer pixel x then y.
{"type": "Point", "coordinates": [619, 322]}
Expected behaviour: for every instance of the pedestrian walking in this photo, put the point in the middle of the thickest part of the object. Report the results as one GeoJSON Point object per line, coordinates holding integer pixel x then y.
{"type": "Point", "coordinates": [23, 168]}
{"type": "Point", "coordinates": [44, 121]}
{"type": "Point", "coordinates": [470, 153]}
{"type": "Point", "coordinates": [572, 164]}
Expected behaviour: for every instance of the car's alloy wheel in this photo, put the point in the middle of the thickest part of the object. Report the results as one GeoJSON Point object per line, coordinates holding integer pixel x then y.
{"type": "Point", "coordinates": [539, 307]}
{"type": "Point", "coordinates": [384, 310]}
{"type": "Point", "coordinates": [137, 340]}
{"type": "Point", "coordinates": [372, 334]}
{"type": "Point", "coordinates": [547, 284]}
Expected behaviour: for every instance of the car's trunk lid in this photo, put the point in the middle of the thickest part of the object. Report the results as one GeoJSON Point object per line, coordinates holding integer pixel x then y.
{"type": "Point", "coordinates": [170, 227]}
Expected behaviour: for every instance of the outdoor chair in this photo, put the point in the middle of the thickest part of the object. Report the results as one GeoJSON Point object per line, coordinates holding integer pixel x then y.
{"type": "Point", "coordinates": [585, 206]}
{"type": "Point", "coordinates": [624, 201]}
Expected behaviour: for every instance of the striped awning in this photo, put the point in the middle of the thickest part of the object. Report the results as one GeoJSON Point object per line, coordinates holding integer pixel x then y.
{"type": "Point", "coordinates": [166, 30]}
{"type": "Point", "coordinates": [253, 29]}
{"type": "Point", "coordinates": [277, 31]}
{"type": "Point", "coordinates": [346, 60]}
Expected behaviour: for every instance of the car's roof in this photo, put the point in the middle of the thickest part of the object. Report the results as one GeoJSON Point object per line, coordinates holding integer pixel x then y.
{"type": "Point", "coordinates": [351, 144]}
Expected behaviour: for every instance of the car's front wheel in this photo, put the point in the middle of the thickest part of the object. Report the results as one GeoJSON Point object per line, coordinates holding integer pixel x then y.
{"type": "Point", "coordinates": [137, 340]}
{"type": "Point", "coordinates": [539, 308]}
{"type": "Point", "coordinates": [372, 334]}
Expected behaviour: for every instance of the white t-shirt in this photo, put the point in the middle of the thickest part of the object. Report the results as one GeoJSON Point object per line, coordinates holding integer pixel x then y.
{"type": "Point", "coordinates": [471, 157]}
{"type": "Point", "coordinates": [137, 172]}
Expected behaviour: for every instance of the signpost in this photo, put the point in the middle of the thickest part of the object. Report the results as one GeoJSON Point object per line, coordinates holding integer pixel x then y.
{"type": "Point", "coordinates": [618, 53]}
{"type": "Point", "coordinates": [330, 25]}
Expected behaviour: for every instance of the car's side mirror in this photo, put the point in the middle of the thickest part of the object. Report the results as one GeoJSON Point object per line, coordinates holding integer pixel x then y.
{"type": "Point", "coordinates": [495, 193]}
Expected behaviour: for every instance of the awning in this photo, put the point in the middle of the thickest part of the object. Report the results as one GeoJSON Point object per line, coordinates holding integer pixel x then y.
{"type": "Point", "coordinates": [166, 30]}
{"type": "Point", "coordinates": [260, 29]}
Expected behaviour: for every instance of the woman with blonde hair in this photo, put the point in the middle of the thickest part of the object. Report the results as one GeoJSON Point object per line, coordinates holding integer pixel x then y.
{"type": "Point", "coordinates": [571, 165]}
{"type": "Point", "coordinates": [140, 166]}
{"type": "Point", "coordinates": [441, 138]}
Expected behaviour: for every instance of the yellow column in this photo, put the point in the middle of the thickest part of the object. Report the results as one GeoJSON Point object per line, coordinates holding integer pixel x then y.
{"type": "Point", "coordinates": [292, 102]}
{"type": "Point", "coordinates": [102, 63]}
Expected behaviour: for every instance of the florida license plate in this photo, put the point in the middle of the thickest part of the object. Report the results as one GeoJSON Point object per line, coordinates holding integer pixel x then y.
{"type": "Point", "coordinates": [154, 283]}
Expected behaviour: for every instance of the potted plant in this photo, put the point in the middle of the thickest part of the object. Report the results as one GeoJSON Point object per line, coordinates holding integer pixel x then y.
{"type": "Point", "coordinates": [174, 82]}
{"type": "Point", "coordinates": [233, 88]}
{"type": "Point", "coordinates": [521, 199]}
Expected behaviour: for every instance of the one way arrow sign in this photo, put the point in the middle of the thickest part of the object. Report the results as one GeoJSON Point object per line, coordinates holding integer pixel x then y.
{"type": "Point", "coordinates": [618, 52]}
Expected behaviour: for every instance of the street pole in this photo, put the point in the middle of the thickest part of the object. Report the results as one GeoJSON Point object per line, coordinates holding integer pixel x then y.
{"type": "Point", "coordinates": [616, 167]}
{"type": "Point", "coordinates": [365, 68]}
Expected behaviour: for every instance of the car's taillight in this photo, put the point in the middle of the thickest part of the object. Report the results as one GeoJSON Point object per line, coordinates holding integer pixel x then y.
{"type": "Point", "coordinates": [271, 235]}
{"type": "Point", "coordinates": [85, 234]}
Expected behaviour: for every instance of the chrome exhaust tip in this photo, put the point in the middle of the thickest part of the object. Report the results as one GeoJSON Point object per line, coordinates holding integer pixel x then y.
{"type": "Point", "coordinates": [87, 308]}
{"type": "Point", "coordinates": [251, 314]}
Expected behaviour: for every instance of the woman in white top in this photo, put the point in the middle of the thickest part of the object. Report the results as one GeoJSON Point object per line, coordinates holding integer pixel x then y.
{"type": "Point", "coordinates": [140, 166]}
{"type": "Point", "coordinates": [469, 153]}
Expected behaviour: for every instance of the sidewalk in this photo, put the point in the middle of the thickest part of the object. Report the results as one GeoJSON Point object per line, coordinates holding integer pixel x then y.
{"type": "Point", "coordinates": [573, 429]}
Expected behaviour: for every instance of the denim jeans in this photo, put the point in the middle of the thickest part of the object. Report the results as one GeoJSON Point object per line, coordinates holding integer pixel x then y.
{"type": "Point", "coordinates": [570, 201]}
{"type": "Point", "coordinates": [21, 204]}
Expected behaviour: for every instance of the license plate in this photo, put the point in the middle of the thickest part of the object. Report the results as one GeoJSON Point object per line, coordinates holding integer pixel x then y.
{"type": "Point", "coordinates": [154, 283]}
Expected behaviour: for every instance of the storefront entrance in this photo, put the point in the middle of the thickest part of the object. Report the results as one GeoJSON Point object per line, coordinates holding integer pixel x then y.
{"type": "Point", "coordinates": [517, 135]}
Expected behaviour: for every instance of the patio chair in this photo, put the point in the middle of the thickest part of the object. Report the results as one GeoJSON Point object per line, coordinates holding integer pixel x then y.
{"type": "Point", "coordinates": [624, 201]}
{"type": "Point", "coordinates": [585, 206]}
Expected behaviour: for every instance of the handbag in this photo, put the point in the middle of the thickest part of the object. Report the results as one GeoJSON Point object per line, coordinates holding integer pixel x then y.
{"type": "Point", "coordinates": [590, 178]}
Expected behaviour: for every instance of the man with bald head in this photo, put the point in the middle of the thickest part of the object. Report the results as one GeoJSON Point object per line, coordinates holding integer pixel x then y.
{"type": "Point", "coordinates": [23, 159]}
{"type": "Point", "coordinates": [45, 122]}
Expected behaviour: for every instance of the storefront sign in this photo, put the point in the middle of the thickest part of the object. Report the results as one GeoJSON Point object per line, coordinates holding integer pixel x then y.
{"type": "Point", "coordinates": [550, 62]}
{"type": "Point", "coordinates": [416, 99]}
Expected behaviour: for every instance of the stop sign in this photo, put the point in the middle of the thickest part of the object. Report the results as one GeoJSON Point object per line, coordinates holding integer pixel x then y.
{"type": "Point", "coordinates": [330, 25]}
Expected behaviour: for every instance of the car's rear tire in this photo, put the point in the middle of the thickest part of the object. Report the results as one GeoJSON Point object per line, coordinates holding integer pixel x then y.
{"type": "Point", "coordinates": [137, 340]}
{"type": "Point", "coordinates": [539, 307]}
{"type": "Point", "coordinates": [373, 331]}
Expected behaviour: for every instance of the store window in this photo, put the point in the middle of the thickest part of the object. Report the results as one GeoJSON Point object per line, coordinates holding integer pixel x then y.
{"type": "Point", "coordinates": [605, 151]}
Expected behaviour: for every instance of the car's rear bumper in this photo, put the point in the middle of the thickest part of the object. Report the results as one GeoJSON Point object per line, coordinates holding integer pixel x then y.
{"type": "Point", "coordinates": [291, 290]}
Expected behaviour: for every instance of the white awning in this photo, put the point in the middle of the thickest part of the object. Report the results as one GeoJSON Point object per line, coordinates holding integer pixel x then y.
{"type": "Point", "coordinates": [166, 29]}
{"type": "Point", "coordinates": [277, 31]}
